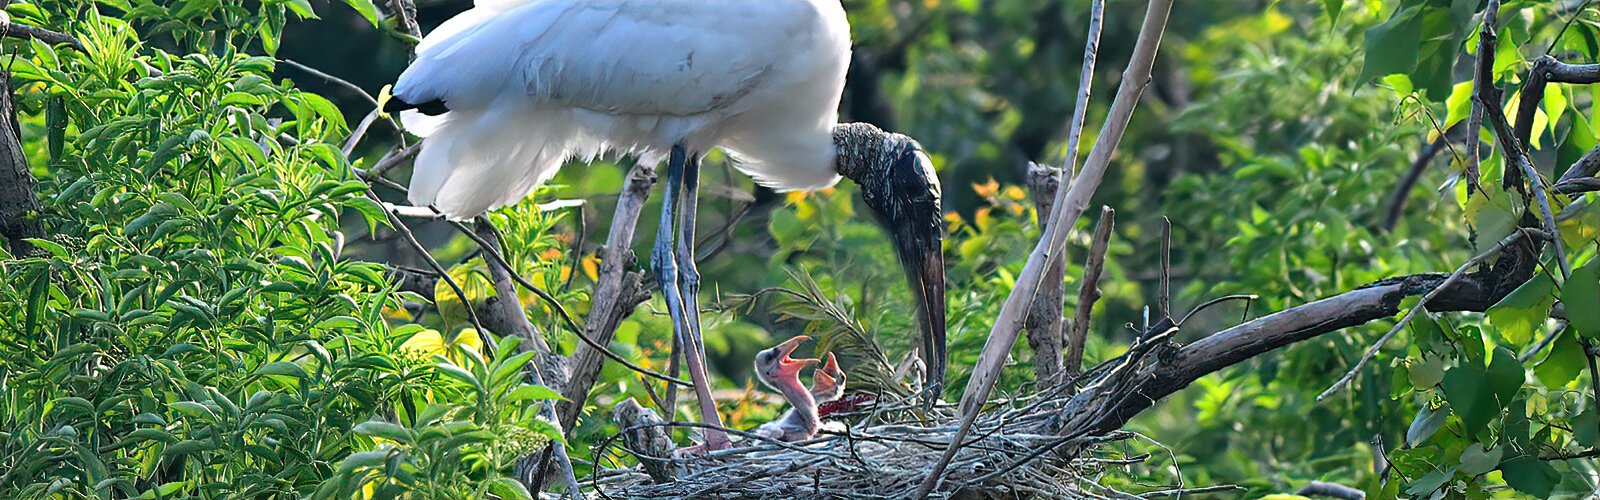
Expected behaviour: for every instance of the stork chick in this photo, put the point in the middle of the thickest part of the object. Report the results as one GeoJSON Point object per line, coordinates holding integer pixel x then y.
{"type": "Point", "coordinates": [781, 373]}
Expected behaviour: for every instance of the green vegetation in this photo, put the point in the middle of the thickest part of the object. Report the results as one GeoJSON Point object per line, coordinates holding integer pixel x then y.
{"type": "Point", "coordinates": [212, 309]}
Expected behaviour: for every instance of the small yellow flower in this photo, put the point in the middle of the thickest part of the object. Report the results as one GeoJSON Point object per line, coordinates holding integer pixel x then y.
{"type": "Point", "coordinates": [795, 197]}
{"type": "Point", "coordinates": [983, 219]}
{"type": "Point", "coordinates": [552, 253]}
{"type": "Point", "coordinates": [1016, 208]}
{"type": "Point", "coordinates": [986, 189]}
{"type": "Point", "coordinates": [1016, 193]}
{"type": "Point", "coordinates": [591, 267]}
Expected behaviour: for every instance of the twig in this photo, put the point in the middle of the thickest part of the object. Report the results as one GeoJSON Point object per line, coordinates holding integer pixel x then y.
{"type": "Point", "coordinates": [340, 82]}
{"type": "Point", "coordinates": [1320, 488]}
{"type": "Point", "coordinates": [1180, 492]}
{"type": "Point", "coordinates": [1089, 288]}
{"type": "Point", "coordinates": [406, 13]}
{"type": "Point", "coordinates": [508, 308]}
{"type": "Point", "coordinates": [1594, 372]}
{"type": "Point", "coordinates": [444, 274]}
{"type": "Point", "coordinates": [1482, 79]}
{"type": "Point", "coordinates": [391, 161]}
{"type": "Point", "coordinates": [1577, 186]}
{"type": "Point", "coordinates": [1519, 158]}
{"type": "Point", "coordinates": [1547, 70]}
{"type": "Point", "coordinates": [1583, 168]}
{"type": "Point", "coordinates": [1460, 271]}
{"type": "Point", "coordinates": [359, 133]}
{"type": "Point", "coordinates": [1166, 267]}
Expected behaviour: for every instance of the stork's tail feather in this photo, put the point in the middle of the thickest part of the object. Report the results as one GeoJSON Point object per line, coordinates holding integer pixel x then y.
{"type": "Point", "coordinates": [475, 161]}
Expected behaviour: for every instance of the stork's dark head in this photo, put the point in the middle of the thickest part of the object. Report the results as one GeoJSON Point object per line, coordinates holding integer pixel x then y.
{"type": "Point", "coordinates": [899, 185]}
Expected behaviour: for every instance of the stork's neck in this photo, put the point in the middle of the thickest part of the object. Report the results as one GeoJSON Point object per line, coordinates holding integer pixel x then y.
{"type": "Point", "coordinates": [805, 408]}
{"type": "Point", "coordinates": [861, 150]}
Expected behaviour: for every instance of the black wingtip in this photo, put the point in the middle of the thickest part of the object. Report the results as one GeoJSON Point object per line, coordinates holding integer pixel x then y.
{"type": "Point", "coordinates": [435, 107]}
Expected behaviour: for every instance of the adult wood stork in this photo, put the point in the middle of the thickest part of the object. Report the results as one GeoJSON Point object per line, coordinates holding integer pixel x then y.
{"type": "Point", "coordinates": [508, 91]}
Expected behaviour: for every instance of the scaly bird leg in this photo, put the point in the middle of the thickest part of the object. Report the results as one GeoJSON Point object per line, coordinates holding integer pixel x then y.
{"type": "Point", "coordinates": [669, 277]}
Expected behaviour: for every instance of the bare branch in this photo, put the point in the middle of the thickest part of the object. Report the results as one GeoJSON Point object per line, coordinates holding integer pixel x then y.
{"type": "Point", "coordinates": [1045, 313]}
{"type": "Point", "coordinates": [505, 306]}
{"type": "Point", "coordinates": [391, 161]}
{"type": "Point", "coordinates": [1089, 288]}
{"type": "Point", "coordinates": [617, 292]}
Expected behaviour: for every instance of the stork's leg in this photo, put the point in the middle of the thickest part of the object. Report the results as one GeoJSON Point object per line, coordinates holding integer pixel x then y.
{"type": "Point", "coordinates": [668, 276]}
{"type": "Point", "coordinates": [688, 271]}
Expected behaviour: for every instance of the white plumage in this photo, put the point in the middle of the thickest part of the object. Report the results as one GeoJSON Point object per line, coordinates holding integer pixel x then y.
{"type": "Point", "coordinates": [530, 84]}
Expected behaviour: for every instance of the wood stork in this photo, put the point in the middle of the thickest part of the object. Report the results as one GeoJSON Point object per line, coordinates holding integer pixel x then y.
{"type": "Point", "coordinates": [778, 371]}
{"type": "Point", "coordinates": [508, 91]}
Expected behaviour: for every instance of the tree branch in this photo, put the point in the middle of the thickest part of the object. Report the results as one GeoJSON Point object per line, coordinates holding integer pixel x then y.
{"type": "Point", "coordinates": [617, 292]}
{"type": "Point", "coordinates": [1178, 366]}
{"type": "Point", "coordinates": [1045, 313]}
{"type": "Point", "coordinates": [1089, 288]}
{"type": "Point", "coordinates": [19, 30]}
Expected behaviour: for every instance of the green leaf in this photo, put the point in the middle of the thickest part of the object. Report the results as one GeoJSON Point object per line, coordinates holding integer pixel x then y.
{"type": "Point", "coordinates": [1458, 106]}
{"type": "Point", "coordinates": [1391, 47]}
{"type": "Point", "coordinates": [1523, 312]}
{"type": "Point", "coordinates": [386, 430]}
{"type": "Point", "coordinates": [1477, 393]}
{"type": "Point", "coordinates": [1476, 460]}
{"type": "Point", "coordinates": [54, 248]}
{"type": "Point", "coordinates": [1333, 7]}
{"type": "Point", "coordinates": [1428, 421]}
{"type": "Point", "coordinates": [507, 488]}
{"type": "Point", "coordinates": [1530, 475]}
{"type": "Point", "coordinates": [366, 9]}
{"type": "Point", "coordinates": [301, 8]}
{"type": "Point", "coordinates": [284, 368]}
{"type": "Point", "coordinates": [1581, 295]}
{"type": "Point", "coordinates": [533, 392]}
{"type": "Point", "coordinates": [194, 409]}
{"type": "Point", "coordinates": [1563, 361]}
{"type": "Point", "coordinates": [189, 446]}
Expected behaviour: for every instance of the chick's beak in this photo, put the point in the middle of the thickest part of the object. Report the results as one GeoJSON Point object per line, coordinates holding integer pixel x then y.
{"type": "Point", "coordinates": [788, 366]}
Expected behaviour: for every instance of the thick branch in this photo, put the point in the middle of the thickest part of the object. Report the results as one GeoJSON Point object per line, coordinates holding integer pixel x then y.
{"type": "Point", "coordinates": [616, 294]}
{"type": "Point", "coordinates": [1180, 366]}
{"type": "Point", "coordinates": [1548, 70]}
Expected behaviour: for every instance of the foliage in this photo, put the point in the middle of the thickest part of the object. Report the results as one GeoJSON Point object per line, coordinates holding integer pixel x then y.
{"type": "Point", "coordinates": [206, 318]}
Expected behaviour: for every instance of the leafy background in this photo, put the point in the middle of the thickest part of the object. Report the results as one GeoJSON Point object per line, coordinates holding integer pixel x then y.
{"type": "Point", "coordinates": [210, 315]}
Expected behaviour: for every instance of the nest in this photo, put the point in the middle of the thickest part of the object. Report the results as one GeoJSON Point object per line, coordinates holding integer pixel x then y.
{"type": "Point", "coordinates": [1035, 445]}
